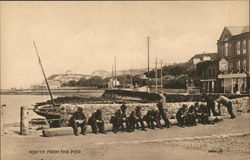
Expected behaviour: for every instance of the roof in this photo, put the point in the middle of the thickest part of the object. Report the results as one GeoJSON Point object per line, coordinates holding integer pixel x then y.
{"type": "Point", "coordinates": [236, 30]}
{"type": "Point", "coordinates": [201, 55]}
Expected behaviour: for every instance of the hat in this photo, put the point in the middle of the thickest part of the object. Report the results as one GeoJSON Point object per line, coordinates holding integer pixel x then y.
{"type": "Point", "coordinates": [138, 108]}
{"type": "Point", "coordinates": [123, 107]}
{"type": "Point", "coordinates": [184, 105]}
{"type": "Point", "coordinates": [79, 109]}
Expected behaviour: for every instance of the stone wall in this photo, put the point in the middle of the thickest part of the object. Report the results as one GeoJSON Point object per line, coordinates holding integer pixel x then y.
{"type": "Point", "coordinates": [240, 105]}
{"type": "Point", "coordinates": [109, 109]}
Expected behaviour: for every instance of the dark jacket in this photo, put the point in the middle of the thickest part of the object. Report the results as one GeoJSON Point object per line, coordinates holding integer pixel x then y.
{"type": "Point", "coordinates": [77, 116]}
{"type": "Point", "coordinates": [120, 114]}
{"type": "Point", "coordinates": [95, 116]}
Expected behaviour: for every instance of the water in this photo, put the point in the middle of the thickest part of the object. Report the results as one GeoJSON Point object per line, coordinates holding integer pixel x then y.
{"type": "Point", "coordinates": [11, 113]}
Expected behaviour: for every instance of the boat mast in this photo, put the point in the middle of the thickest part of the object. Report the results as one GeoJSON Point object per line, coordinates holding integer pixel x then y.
{"type": "Point", "coordinates": [40, 62]}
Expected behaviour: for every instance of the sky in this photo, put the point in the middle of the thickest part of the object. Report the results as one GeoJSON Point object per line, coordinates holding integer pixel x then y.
{"type": "Point", "coordinates": [86, 36]}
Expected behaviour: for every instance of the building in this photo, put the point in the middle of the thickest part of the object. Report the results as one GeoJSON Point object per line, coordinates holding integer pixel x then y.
{"type": "Point", "coordinates": [112, 83]}
{"type": "Point", "coordinates": [200, 58]}
{"type": "Point", "coordinates": [233, 60]}
{"type": "Point", "coordinates": [208, 71]}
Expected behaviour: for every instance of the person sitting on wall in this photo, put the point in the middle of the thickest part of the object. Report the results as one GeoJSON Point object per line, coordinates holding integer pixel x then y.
{"type": "Point", "coordinates": [181, 115]}
{"type": "Point", "coordinates": [204, 114]}
{"type": "Point", "coordinates": [78, 119]}
{"type": "Point", "coordinates": [198, 112]}
{"type": "Point", "coordinates": [191, 118]}
{"type": "Point", "coordinates": [135, 118]}
{"type": "Point", "coordinates": [119, 118]}
{"type": "Point", "coordinates": [151, 117]}
{"type": "Point", "coordinates": [97, 122]}
{"type": "Point", "coordinates": [227, 103]}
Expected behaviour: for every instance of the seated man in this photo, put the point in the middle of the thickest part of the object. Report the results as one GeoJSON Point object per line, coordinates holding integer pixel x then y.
{"type": "Point", "coordinates": [135, 118]}
{"type": "Point", "coordinates": [151, 117]}
{"type": "Point", "coordinates": [163, 115]}
{"type": "Point", "coordinates": [198, 111]}
{"type": "Point", "coordinates": [227, 103]}
{"type": "Point", "coordinates": [204, 114]}
{"type": "Point", "coordinates": [191, 119]}
{"type": "Point", "coordinates": [119, 118]}
{"type": "Point", "coordinates": [97, 122]}
{"type": "Point", "coordinates": [78, 119]}
{"type": "Point", "coordinates": [181, 116]}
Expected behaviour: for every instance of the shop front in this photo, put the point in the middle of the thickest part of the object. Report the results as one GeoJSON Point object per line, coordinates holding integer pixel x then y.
{"type": "Point", "coordinates": [235, 83]}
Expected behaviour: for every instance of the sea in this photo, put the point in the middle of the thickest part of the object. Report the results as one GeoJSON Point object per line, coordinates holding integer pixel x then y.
{"type": "Point", "coordinates": [11, 113]}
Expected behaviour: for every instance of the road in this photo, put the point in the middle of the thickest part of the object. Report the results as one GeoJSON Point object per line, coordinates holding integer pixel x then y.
{"type": "Point", "coordinates": [124, 145]}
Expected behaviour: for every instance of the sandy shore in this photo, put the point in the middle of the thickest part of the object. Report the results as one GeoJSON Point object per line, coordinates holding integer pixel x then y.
{"type": "Point", "coordinates": [131, 145]}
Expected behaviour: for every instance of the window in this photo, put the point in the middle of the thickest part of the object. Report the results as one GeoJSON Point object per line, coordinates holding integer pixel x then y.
{"type": "Point", "coordinates": [244, 47]}
{"type": "Point", "coordinates": [226, 49]}
{"type": "Point", "coordinates": [209, 72]}
{"type": "Point", "coordinates": [214, 70]}
{"type": "Point", "coordinates": [238, 65]}
{"type": "Point", "coordinates": [222, 50]}
{"type": "Point", "coordinates": [238, 47]}
{"type": "Point", "coordinates": [230, 49]}
{"type": "Point", "coordinates": [230, 67]}
{"type": "Point", "coordinates": [244, 65]}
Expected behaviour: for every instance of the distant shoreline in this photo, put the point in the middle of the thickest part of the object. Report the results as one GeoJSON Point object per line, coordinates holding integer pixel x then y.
{"type": "Point", "coordinates": [54, 92]}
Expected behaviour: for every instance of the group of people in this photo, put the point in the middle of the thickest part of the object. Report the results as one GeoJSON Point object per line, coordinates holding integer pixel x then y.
{"type": "Point", "coordinates": [120, 120]}
{"type": "Point", "coordinates": [200, 113]}
{"type": "Point", "coordinates": [135, 120]}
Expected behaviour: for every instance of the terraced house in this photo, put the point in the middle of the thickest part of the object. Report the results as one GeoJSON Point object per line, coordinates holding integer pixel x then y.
{"type": "Point", "coordinates": [233, 60]}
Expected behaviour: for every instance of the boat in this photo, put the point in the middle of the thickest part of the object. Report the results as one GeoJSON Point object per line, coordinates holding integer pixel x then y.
{"type": "Point", "coordinates": [50, 111]}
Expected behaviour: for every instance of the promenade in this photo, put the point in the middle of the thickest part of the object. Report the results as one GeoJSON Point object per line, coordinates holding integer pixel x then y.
{"type": "Point", "coordinates": [224, 140]}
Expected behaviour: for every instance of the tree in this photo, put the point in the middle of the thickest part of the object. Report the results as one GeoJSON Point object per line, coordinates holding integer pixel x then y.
{"type": "Point", "coordinates": [81, 82]}
{"type": "Point", "coordinates": [72, 83]}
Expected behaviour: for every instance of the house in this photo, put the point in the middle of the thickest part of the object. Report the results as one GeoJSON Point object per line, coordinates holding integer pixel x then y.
{"type": "Point", "coordinates": [113, 83]}
{"type": "Point", "coordinates": [202, 57]}
{"type": "Point", "coordinates": [208, 71]}
{"type": "Point", "coordinates": [192, 62]}
{"type": "Point", "coordinates": [233, 59]}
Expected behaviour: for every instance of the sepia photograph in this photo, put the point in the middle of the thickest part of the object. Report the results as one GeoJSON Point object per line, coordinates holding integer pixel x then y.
{"type": "Point", "coordinates": [125, 80]}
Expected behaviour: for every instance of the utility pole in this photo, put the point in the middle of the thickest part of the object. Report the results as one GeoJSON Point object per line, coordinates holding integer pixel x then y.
{"type": "Point", "coordinates": [148, 65]}
{"type": "Point", "coordinates": [115, 71]}
{"type": "Point", "coordinates": [156, 75]}
{"type": "Point", "coordinates": [112, 78]}
{"type": "Point", "coordinates": [161, 76]}
{"type": "Point", "coordinates": [123, 79]}
{"type": "Point", "coordinates": [131, 78]}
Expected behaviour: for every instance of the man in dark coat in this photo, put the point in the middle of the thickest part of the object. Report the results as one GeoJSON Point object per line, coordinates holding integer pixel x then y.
{"type": "Point", "coordinates": [151, 117]}
{"type": "Point", "coordinates": [135, 118]}
{"type": "Point", "coordinates": [119, 118]}
{"type": "Point", "coordinates": [97, 122]}
{"type": "Point", "coordinates": [181, 116]}
{"type": "Point", "coordinates": [191, 119]}
{"type": "Point", "coordinates": [204, 114]}
{"type": "Point", "coordinates": [211, 105]}
{"type": "Point", "coordinates": [78, 119]}
{"type": "Point", "coordinates": [163, 114]}
{"type": "Point", "coordinates": [197, 111]}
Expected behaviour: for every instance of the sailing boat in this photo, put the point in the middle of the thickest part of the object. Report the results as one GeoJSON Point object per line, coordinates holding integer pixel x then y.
{"type": "Point", "coordinates": [50, 111]}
